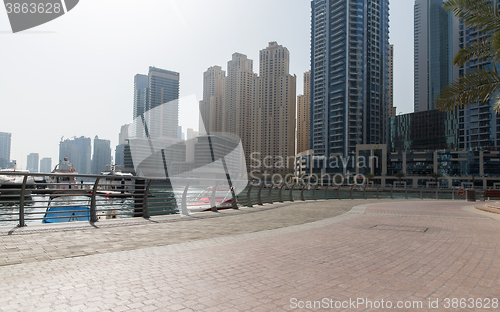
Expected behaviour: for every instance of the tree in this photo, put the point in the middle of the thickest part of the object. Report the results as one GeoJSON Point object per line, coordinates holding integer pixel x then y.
{"type": "Point", "coordinates": [399, 175]}
{"type": "Point", "coordinates": [369, 176]}
{"type": "Point", "coordinates": [436, 177]}
{"type": "Point", "coordinates": [483, 83]}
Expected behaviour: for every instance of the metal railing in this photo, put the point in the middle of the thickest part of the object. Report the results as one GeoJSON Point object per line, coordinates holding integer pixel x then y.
{"type": "Point", "coordinates": [107, 197]}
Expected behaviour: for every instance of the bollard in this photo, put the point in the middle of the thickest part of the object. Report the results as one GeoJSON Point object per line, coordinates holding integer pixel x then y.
{"type": "Point", "coordinates": [184, 210]}
{"type": "Point", "coordinates": [93, 213]}
{"type": "Point", "coordinates": [21, 202]}
{"type": "Point", "coordinates": [249, 203]}
{"type": "Point", "coordinates": [270, 195]}
{"type": "Point", "coordinates": [259, 197]}
{"type": "Point", "coordinates": [145, 209]}
{"type": "Point", "coordinates": [280, 198]}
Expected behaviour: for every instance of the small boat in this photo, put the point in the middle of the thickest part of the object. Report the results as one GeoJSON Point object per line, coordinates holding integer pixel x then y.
{"type": "Point", "coordinates": [203, 202]}
{"type": "Point", "coordinates": [116, 184]}
{"type": "Point", "coordinates": [10, 185]}
{"type": "Point", "coordinates": [67, 208]}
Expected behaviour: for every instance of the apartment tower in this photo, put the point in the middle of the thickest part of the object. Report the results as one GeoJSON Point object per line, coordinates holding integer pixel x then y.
{"type": "Point", "coordinates": [349, 75]}
{"type": "Point", "coordinates": [211, 105]}
{"type": "Point", "coordinates": [304, 116]}
{"type": "Point", "coordinates": [273, 112]}
{"type": "Point", "coordinates": [435, 44]}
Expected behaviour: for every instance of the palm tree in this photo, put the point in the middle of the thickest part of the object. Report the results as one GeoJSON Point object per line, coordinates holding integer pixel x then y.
{"type": "Point", "coordinates": [369, 176]}
{"type": "Point", "coordinates": [399, 175]}
{"type": "Point", "coordinates": [483, 83]}
{"type": "Point", "coordinates": [436, 177]}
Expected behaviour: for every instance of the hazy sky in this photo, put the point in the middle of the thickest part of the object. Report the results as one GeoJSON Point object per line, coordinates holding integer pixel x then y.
{"type": "Point", "coordinates": [73, 76]}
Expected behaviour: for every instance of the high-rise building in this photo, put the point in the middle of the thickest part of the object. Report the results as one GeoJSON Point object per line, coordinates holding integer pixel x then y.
{"type": "Point", "coordinates": [190, 144]}
{"type": "Point", "coordinates": [479, 123]}
{"type": "Point", "coordinates": [140, 101]}
{"type": "Point", "coordinates": [124, 134]}
{"type": "Point", "coordinates": [78, 152]}
{"type": "Point", "coordinates": [349, 75]}
{"type": "Point", "coordinates": [5, 141]}
{"type": "Point", "coordinates": [435, 44]}
{"type": "Point", "coordinates": [304, 116]}
{"type": "Point", "coordinates": [273, 113]}
{"type": "Point", "coordinates": [211, 105]}
{"type": "Point", "coordinates": [46, 165]}
{"type": "Point", "coordinates": [120, 155]}
{"type": "Point", "coordinates": [32, 162]}
{"type": "Point", "coordinates": [163, 91]}
{"type": "Point", "coordinates": [238, 100]}
{"type": "Point", "coordinates": [102, 155]}
{"type": "Point", "coordinates": [391, 110]}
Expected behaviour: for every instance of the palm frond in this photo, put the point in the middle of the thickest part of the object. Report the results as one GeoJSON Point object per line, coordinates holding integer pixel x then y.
{"type": "Point", "coordinates": [481, 15]}
{"type": "Point", "coordinates": [475, 86]}
{"type": "Point", "coordinates": [478, 50]}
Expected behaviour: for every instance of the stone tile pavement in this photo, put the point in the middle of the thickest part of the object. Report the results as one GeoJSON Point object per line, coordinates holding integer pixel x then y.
{"type": "Point", "coordinates": [272, 259]}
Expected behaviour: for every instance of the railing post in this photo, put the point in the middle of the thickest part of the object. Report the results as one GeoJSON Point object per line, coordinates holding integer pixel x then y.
{"type": "Point", "coordinates": [421, 194]}
{"type": "Point", "coordinates": [378, 197]}
{"type": "Point", "coordinates": [184, 210]}
{"type": "Point", "coordinates": [249, 204]}
{"type": "Point", "coordinates": [302, 192]}
{"type": "Point", "coordinates": [392, 189]}
{"type": "Point", "coordinates": [364, 192]}
{"type": "Point", "coordinates": [338, 192]}
{"type": "Point", "coordinates": [352, 186]}
{"type": "Point", "coordinates": [259, 195]}
{"type": "Point", "coordinates": [291, 192]}
{"type": "Point", "coordinates": [93, 210]}
{"type": "Point", "coordinates": [437, 194]}
{"type": "Point", "coordinates": [452, 194]}
{"type": "Point", "coordinates": [21, 202]}
{"type": "Point", "coordinates": [314, 192]}
{"type": "Point", "coordinates": [270, 195]}
{"type": "Point", "coordinates": [145, 208]}
{"type": "Point", "coordinates": [326, 192]}
{"type": "Point", "coordinates": [234, 200]}
{"type": "Point", "coordinates": [138, 199]}
{"type": "Point", "coordinates": [280, 197]}
{"type": "Point", "coordinates": [212, 198]}
{"type": "Point", "coordinates": [406, 192]}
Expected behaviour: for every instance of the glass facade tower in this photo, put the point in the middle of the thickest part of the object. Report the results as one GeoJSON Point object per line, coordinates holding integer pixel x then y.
{"type": "Point", "coordinates": [349, 75]}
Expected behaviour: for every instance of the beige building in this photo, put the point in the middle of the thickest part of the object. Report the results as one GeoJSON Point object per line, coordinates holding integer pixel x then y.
{"type": "Point", "coordinates": [211, 105]}
{"type": "Point", "coordinates": [273, 113]}
{"type": "Point", "coordinates": [237, 100]}
{"type": "Point", "coordinates": [391, 108]}
{"type": "Point", "coordinates": [304, 115]}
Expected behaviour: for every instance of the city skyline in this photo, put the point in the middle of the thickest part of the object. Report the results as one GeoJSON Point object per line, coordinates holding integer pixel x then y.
{"type": "Point", "coordinates": [90, 93]}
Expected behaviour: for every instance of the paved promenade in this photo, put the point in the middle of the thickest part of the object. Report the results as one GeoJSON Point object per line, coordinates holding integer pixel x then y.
{"type": "Point", "coordinates": [351, 255]}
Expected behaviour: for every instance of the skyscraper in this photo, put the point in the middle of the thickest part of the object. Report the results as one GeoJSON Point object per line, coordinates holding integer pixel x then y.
{"type": "Point", "coordinates": [211, 105]}
{"type": "Point", "coordinates": [140, 101]}
{"type": "Point", "coordinates": [163, 91]}
{"type": "Point", "coordinates": [32, 162]}
{"type": "Point", "coordinates": [349, 74]}
{"type": "Point", "coordinates": [102, 155]}
{"type": "Point", "coordinates": [273, 113]}
{"type": "Point", "coordinates": [304, 116]}
{"type": "Point", "coordinates": [46, 165]}
{"type": "Point", "coordinates": [78, 152]}
{"type": "Point", "coordinates": [435, 44]}
{"type": "Point", "coordinates": [479, 124]}
{"type": "Point", "coordinates": [391, 110]}
{"type": "Point", "coordinates": [238, 99]}
{"type": "Point", "coordinates": [5, 139]}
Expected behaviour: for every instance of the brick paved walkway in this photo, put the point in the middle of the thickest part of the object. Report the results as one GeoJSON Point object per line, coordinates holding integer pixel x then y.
{"type": "Point", "coordinates": [268, 260]}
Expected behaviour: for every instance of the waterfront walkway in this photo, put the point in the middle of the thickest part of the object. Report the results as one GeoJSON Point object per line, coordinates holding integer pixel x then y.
{"type": "Point", "coordinates": [270, 258]}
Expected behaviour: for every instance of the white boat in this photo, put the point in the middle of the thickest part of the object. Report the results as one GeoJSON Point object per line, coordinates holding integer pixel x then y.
{"type": "Point", "coordinates": [10, 185]}
{"type": "Point", "coordinates": [116, 184]}
{"type": "Point", "coordinates": [63, 182]}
